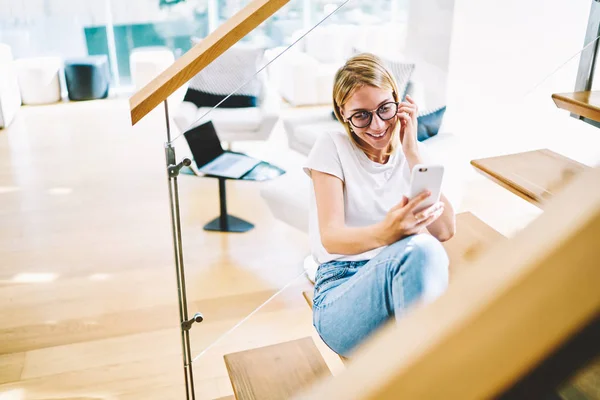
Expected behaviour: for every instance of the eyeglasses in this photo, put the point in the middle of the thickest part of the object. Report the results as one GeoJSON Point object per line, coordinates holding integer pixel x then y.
{"type": "Point", "coordinates": [362, 119]}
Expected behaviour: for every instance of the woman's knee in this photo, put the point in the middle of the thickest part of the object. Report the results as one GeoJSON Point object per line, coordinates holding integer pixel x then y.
{"type": "Point", "coordinates": [434, 263]}
{"type": "Point", "coordinates": [425, 259]}
{"type": "Point", "coordinates": [429, 249]}
{"type": "Point", "coordinates": [425, 246]}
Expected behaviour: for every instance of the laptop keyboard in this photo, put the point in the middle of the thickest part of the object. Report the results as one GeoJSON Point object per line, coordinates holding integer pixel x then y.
{"type": "Point", "coordinates": [222, 164]}
{"type": "Point", "coordinates": [230, 165]}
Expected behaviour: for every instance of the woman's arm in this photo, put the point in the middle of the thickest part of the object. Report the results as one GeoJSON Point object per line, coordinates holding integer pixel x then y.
{"type": "Point", "coordinates": [336, 237]}
{"type": "Point", "coordinates": [445, 226]}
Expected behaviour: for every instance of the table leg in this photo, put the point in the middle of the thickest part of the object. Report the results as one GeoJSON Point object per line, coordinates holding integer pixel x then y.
{"type": "Point", "coordinates": [225, 222]}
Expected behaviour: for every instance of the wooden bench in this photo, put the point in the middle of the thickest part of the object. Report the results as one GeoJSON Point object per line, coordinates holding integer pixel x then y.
{"type": "Point", "coordinates": [275, 372]}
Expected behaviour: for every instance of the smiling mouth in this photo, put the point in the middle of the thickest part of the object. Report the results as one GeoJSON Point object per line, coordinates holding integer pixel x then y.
{"type": "Point", "coordinates": [378, 136]}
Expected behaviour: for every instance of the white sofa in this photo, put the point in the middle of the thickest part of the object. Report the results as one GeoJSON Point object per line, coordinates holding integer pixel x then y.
{"type": "Point", "coordinates": [10, 96]}
{"type": "Point", "coordinates": [236, 124]}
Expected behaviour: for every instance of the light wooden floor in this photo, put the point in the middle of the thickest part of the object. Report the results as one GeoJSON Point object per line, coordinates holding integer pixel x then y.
{"type": "Point", "coordinates": [87, 284]}
{"type": "Point", "coordinates": [84, 210]}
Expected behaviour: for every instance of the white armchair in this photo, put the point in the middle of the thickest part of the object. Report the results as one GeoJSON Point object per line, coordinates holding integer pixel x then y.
{"type": "Point", "coordinates": [235, 124]}
{"type": "Point", "coordinates": [10, 97]}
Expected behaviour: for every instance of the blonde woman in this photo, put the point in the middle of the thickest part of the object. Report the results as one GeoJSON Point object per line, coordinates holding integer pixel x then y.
{"type": "Point", "coordinates": [375, 258]}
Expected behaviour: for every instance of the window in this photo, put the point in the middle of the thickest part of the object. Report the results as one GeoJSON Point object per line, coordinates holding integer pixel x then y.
{"type": "Point", "coordinates": [75, 28]}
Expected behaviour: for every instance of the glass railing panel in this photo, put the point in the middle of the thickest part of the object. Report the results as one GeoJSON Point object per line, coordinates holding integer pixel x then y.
{"type": "Point", "coordinates": [283, 318]}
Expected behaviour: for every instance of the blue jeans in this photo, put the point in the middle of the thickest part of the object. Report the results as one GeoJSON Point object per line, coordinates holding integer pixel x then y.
{"type": "Point", "coordinates": [353, 298]}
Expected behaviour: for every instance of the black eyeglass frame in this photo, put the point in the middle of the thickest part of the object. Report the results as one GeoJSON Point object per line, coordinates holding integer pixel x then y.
{"type": "Point", "coordinates": [397, 103]}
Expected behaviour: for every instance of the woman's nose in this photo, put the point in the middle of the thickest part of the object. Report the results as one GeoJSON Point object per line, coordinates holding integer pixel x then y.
{"type": "Point", "coordinates": [377, 122]}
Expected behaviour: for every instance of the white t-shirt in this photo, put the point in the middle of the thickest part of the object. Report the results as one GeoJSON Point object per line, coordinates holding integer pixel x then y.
{"type": "Point", "coordinates": [370, 189]}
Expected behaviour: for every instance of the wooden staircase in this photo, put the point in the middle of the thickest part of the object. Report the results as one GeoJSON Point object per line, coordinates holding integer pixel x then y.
{"type": "Point", "coordinates": [501, 328]}
{"type": "Point", "coordinates": [285, 370]}
{"type": "Point", "coordinates": [277, 372]}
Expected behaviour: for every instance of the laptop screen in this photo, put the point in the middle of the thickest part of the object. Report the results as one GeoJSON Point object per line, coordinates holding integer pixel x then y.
{"type": "Point", "coordinates": [204, 143]}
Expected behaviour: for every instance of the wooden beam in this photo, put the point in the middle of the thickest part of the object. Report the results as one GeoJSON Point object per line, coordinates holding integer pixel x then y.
{"type": "Point", "coordinates": [494, 324]}
{"type": "Point", "coordinates": [201, 55]}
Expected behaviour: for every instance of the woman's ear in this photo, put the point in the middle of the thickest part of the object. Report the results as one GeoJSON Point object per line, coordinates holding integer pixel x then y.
{"type": "Point", "coordinates": [341, 111]}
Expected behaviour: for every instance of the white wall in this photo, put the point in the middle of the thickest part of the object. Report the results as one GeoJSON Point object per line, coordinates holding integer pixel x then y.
{"type": "Point", "coordinates": [500, 50]}
{"type": "Point", "coordinates": [428, 41]}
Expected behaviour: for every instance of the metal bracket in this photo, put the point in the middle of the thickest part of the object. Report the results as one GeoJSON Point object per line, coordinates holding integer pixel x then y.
{"type": "Point", "coordinates": [173, 170]}
{"type": "Point", "coordinates": [187, 325]}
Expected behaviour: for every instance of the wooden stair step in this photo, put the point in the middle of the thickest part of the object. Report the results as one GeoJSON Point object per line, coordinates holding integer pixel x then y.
{"type": "Point", "coordinates": [309, 297]}
{"type": "Point", "coordinates": [472, 237]}
{"type": "Point", "coordinates": [585, 104]}
{"type": "Point", "coordinates": [275, 372]}
{"type": "Point", "coordinates": [536, 176]}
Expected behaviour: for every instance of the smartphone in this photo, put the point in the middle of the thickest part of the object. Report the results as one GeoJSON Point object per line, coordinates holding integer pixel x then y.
{"type": "Point", "coordinates": [426, 177]}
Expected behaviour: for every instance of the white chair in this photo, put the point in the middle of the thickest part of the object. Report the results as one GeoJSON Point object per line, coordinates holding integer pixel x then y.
{"type": "Point", "coordinates": [236, 124]}
{"type": "Point", "coordinates": [39, 79]}
{"type": "Point", "coordinates": [10, 96]}
{"type": "Point", "coordinates": [146, 63]}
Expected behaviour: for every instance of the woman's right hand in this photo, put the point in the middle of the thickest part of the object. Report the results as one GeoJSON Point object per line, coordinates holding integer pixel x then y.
{"type": "Point", "coordinates": [402, 221]}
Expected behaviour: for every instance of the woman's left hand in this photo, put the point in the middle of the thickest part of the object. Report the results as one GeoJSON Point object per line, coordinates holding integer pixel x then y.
{"type": "Point", "coordinates": [407, 114]}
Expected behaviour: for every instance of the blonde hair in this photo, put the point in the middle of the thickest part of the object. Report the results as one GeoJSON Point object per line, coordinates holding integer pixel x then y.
{"type": "Point", "coordinates": [363, 69]}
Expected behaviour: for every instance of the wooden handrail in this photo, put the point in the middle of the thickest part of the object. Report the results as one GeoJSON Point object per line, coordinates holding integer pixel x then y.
{"type": "Point", "coordinates": [201, 55]}
{"type": "Point", "coordinates": [495, 323]}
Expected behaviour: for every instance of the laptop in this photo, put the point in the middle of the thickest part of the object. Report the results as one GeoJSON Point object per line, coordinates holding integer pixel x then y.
{"type": "Point", "coordinates": [211, 159]}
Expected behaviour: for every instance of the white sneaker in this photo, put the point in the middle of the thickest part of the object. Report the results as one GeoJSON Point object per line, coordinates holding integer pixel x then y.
{"type": "Point", "coordinates": [310, 267]}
